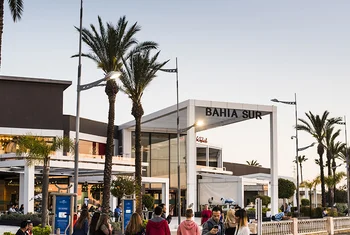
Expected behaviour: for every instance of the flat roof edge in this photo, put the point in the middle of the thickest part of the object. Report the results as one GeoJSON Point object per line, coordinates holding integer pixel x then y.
{"type": "Point", "coordinates": [38, 80]}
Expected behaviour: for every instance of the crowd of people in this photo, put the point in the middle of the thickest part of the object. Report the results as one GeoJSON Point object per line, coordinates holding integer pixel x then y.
{"type": "Point", "coordinates": [235, 223]}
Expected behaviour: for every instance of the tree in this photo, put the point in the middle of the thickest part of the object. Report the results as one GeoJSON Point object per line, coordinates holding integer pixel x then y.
{"type": "Point", "coordinates": [316, 127]}
{"type": "Point", "coordinates": [332, 182]}
{"type": "Point", "coordinates": [253, 163]}
{"type": "Point", "coordinates": [38, 150]}
{"type": "Point", "coordinates": [335, 150]}
{"type": "Point", "coordinates": [286, 188]}
{"type": "Point", "coordinates": [310, 185]}
{"type": "Point", "coordinates": [140, 70]}
{"type": "Point", "coordinates": [301, 159]}
{"type": "Point", "coordinates": [266, 200]}
{"type": "Point", "coordinates": [123, 186]}
{"type": "Point", "coordinates": [16, 8]}
{"type": "Point", "coordinates": [148, 201]}
{"type": "Point", "coordinates": [108, 46]}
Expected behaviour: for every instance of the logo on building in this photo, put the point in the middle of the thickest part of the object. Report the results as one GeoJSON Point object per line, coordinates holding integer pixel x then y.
{"type": "Point", "coordinates": [232, 113]}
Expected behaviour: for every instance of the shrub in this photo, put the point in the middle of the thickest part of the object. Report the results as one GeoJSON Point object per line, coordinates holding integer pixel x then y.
{"type": "Point", "coordinates": [266, 200]}
{"type": "Point", "coordinates": [341, 207]}
{"type": "Point", "coordinates": [38, 230]}
{"type": "Point", "coordinates": [16, 219]}
{"type": "Point", "coordinates": [9, 233]}
{"type": "Point", "coordinates": [305, 211]}
{"type": "Point", "coordinates": [148, 201]}
{"type": "Point", "coordinates": [317, 212]}
{"type": "Point", "coordinates": [333, 212]}
{"type": "Point", "coordinates": [305, 202]}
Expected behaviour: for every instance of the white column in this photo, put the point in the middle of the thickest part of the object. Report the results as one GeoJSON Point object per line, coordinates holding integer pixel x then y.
{"type": "Point", "coordinates": [165, 195]}
{"type": "Point", "coordinates": [113, 201]}
{"type": "Point", "coordinates": [21, 188]}
{"type": "Point", "coordinates": [294, 199]}
{"type": "Point", "coordinates": [207, 155]}
{"type": "Point", "coordinates": [28, 180]}
{"type": "Point", "coordinates": [273, 161]}
{"type": "Point", "coordinates": [220, 161]}
{"type": "Point", "coordinates": [240, 192]}
{"type": "Point", "coordinates": [191, 155]}
{"type": "Point", "coordinates": [126, 143]}
{"type": "Point", "coordinates": [71, 183]}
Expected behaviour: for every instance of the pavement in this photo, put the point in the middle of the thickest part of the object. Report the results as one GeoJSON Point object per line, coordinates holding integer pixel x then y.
{"type": "Point", "coordinates": [7, 228]}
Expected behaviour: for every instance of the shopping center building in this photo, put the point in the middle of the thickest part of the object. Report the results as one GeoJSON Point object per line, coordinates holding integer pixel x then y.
{"type": "Point", "coordinates": [35, 106]}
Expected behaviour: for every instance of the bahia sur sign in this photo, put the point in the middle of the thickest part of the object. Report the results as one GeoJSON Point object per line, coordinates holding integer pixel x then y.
{"type": "Point", "coordinates": [232, 113]}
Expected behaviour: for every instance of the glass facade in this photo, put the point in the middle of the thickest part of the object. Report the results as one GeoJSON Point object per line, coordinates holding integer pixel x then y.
{"type": "Point", "coordinates": [159, 150]}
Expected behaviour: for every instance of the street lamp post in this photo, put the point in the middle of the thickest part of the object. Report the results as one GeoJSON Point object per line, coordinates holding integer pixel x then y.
{"type": "Point", "coordinates": [347, 164]}
{"type": "Point", "coordinates": [296, 141]}
{"type": "Point", "coordinates": [77, 115]}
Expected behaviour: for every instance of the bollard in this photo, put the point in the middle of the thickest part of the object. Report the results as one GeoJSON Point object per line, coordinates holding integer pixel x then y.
{"type": "Point", "coordinates": [58, 231]}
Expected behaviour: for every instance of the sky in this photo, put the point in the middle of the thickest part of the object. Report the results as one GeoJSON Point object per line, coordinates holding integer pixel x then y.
{"type": "Point", "coordinates": [228, 50]}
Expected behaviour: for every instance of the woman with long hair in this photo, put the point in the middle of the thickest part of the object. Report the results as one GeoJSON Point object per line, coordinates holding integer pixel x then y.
{"type": "Point", "coordinates": [135, 225]}
{"type": "Point", "coordinates": [81, 227]}
{"type": "Point", "coordinates": [230, 222]}
{"type": "Point", "coordinates": [93, 223]}
{"type": "Point", "coordinates": [103, 226]}
{"type": "Point", "coordinates": [242, 222]}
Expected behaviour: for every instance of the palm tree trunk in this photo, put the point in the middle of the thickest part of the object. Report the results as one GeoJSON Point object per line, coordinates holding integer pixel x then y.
{"type": "Point", "coordinates": [137, 112]}
{"type": "Point", "coordinates": [323, 188]}
{"type": "Point", "coordinates": [329, 173]}
{"type": "Point", "coordinates": [1, 24]}
{"type": "Point", "coordinates": [335, 185]}
{"type": "Point", "coordinates": [310, 197]}
{"type": "Point", "coordinates": [301, 172]}
{"type": "Point", "coordinates": [45, 191]}
{"type": "Point", "coordinates": [111, 90]}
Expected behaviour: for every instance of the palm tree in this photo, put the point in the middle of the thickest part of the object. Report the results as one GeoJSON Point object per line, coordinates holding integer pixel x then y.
{"type": "Point", "coordinates": [140, 70]}
{"type": "Point", "coordinates": [38, 150]}
{"type": "Point", "coordinates": [301, 159]}
{"type": "Point", "coordinates": [332, 182]}
{"type": "Point", "coordinates": [335, 152]}
{"type": "Point", "coordinates": [108, 46]}
{"type": "Point", "coordinates": [310, 185]}
{"type": "Point", "coordinates": [16, 8]}
{"type": "Point", "coordinates": [317, 129]}
{"type": "Point", "coordinates": [253, 163]}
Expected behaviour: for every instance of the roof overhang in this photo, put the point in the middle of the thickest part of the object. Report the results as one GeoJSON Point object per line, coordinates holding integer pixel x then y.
{"type": "Point", "coordinates": [212, 113]}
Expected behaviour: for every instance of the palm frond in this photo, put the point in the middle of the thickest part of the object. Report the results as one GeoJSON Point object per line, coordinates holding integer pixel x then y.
{"type": "Point", "coordinates": [16, 8]}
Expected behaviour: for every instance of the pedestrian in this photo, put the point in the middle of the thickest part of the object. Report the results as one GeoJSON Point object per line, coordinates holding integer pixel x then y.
{"type": "Point", "coordinates": [188, 227]}
{"type": "Point", "coordinates": [103, 226]}
{"type": "Point", "coordinates": [230, 222]}
{"type": "Point", "coordinates": [206, 214]}
{"type": "Point", "coordinates": [169, 217]}
{"type": "Point", "coordinates": [135, 225]}
{"type": "Point", "coordinates": [214, 225]}
{"type": "Point", "coordinates": [93, 223]}
{"type": "Point", "coordinates": [23, 228]}
{"type": "Point", "coordinates": [157, 225]}
{"type": "Point", "coordinates": [30, 228]}
{"type": "Point", "coordinates": [117, 212]}
{"type": "Point", "coordinates": [242, 222]}
{"type": "Point", "coordinates": [81, 227]}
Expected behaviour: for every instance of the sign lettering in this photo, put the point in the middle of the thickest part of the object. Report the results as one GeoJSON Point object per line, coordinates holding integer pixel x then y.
{"type": "Point", "coordinates": [232, 113]}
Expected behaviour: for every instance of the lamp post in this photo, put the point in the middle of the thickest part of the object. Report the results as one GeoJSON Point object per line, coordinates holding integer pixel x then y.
{"type": "Point", "coordinates": [296, 141]}
{"type": "Point", "coordinates": [111, 75]}
{"type": "Point", "coordinates": [347, 163]}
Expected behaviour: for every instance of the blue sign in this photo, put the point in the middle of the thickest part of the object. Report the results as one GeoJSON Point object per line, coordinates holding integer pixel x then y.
{"type": "Point", "coordinates": [128, 209]}
{"type": "Point", "coordinates": [62, 213]}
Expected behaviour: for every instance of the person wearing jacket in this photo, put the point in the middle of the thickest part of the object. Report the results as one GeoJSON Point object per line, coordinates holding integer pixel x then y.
{"type": "Point", "coordinates": [169, 217]}
{"type": "Point", "coordinates": [157, 225]}
{"type": "Point", "coordinates": [188, 227]}
{"type": "Point", "coordinates": [214, 225]}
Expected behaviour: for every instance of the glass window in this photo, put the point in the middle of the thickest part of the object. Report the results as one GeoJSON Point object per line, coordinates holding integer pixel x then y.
{"type": "Point", "coordinates": [145, 151]}
{"type": "Point", "coordinates": [174, 164]}
{"type": "Point", "coordinates": [160, 156]}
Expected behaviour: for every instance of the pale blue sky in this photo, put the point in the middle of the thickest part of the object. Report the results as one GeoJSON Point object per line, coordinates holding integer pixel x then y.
{"type": "Point", "coordinates": [235, 51]}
